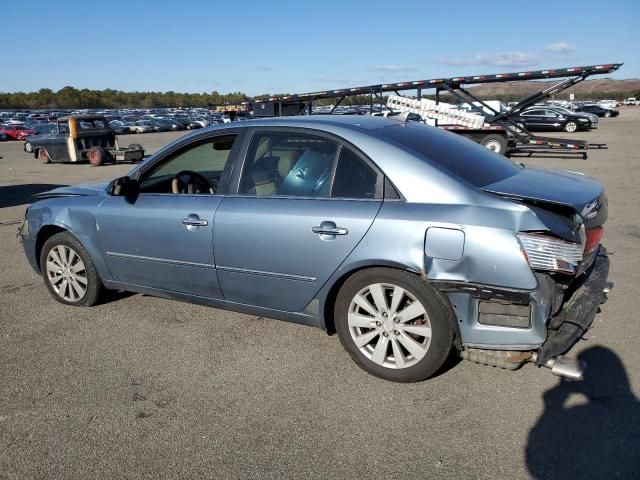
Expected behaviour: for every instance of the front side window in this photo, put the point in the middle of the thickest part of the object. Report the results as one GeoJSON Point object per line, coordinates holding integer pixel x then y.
{"type": "Point", "coordinates": [196, 169]}
{"type": "Point", "coordinates": [288, 164]}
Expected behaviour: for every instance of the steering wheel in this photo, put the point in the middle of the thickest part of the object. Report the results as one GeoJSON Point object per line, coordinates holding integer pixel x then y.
{"type": "Point", "coordinates": [188, 181]}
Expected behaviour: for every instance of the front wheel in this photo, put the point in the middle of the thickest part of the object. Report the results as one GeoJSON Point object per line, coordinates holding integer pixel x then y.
{"type": "Point", "coordinates": [28, 147]}
{"type": "Point", "coordinates": [68, 271]}
{"type": "Point", "coordinates": [43, 156]}
{"type": "Point", "coordinates": [393, 324]}
{"type": "Point", "coordinates": [570, 127]}
{"type": "Point", "coordinates": [607, 114]}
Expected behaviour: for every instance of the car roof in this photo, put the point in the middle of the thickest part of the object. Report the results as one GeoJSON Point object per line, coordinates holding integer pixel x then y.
{"type": "Point", "coordinates": [353, 122]}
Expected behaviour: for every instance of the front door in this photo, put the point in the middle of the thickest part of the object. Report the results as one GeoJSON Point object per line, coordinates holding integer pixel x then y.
{"type": "Point", "coordinates": [304, 202]}
{"type": "Point", "coordinates": [163, 238]}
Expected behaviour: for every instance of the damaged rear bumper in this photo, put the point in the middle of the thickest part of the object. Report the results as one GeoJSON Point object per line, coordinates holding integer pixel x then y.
{"type": "Point", "coordinates": [575, 317]}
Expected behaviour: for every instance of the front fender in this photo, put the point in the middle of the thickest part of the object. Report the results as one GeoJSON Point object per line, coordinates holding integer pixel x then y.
{"type": "Point", "coordinates": [77, 217]}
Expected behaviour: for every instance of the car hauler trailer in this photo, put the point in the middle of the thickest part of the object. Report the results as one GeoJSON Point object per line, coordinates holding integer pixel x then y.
{"type": "Point", "coordinates": [498, 132]}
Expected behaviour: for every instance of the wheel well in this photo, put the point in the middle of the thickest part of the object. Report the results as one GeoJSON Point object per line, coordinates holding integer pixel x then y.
{"type": "Point", "coordinates": [330, 301]}
{"type": "Point", "coordinates": [45, 234]}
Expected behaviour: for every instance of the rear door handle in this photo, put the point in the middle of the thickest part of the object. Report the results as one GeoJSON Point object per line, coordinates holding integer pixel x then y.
{"type": "Point", "coordinates": [329, 228]}
{"type": "Point", "coordinates": [193, 221]}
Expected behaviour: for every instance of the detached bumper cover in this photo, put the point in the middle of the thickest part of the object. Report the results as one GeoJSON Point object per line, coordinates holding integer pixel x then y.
{"type": "Point", "coordinates": [577, 313]}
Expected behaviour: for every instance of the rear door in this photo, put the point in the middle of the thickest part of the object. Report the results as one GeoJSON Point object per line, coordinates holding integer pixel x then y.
{"type": "Point", "coordinates": [304, 201]}
{"type": "Point", "coordinates": [534, 119]}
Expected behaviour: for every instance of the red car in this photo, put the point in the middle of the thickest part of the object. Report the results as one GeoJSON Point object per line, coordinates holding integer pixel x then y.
{"type": "Point", "coordinates": [16, 132]}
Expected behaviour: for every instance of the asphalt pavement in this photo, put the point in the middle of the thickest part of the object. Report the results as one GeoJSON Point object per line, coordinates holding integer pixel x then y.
{"type": "Point", "coordinates": [142, 387]}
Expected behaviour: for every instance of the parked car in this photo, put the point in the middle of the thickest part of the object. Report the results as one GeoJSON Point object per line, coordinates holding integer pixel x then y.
{"type": "Point", "coordinates": [630, 101]}
{"type": "Point", "coordinates": [168, 125]}
{"type": "Point", "coordinates": [593, 118]}
{"type": "Point", "coordinates": [610, 104]}
{"type": "Point", "coordinates": [409, 241]}
{"type": "Point", "coordinates": [119, 127]}
{"type": "Point", "coordinates": [39, 129]}
{"type": "Point", "coordinates": [546, 118]}
{"type": "Point", "coordinates": [599, 111]}
{"type": "Point", "coordinates": [141, 126]}
{"type": "Point", "coordinates": [14, 131]}
{"type": "Point", "coordinates": [80, 138]}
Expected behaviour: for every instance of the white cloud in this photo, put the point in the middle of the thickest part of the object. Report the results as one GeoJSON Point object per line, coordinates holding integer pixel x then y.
{"type": "Point", "coordinates": [560, 47]}
{"type": "Point", "coordinates": [394, 68]}
{"type": "Point", "coordinates": [506, 59]}
{"type": "Point", "coordinates": [498, 59]}
{"type": "Point", "coordinates": [455, 61]}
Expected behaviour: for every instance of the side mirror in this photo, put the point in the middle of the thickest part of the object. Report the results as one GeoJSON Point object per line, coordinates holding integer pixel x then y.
{"type": "Point", "coordinates": [123, 187]}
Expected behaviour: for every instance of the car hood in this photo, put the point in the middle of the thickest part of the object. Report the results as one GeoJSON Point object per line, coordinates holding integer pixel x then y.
{"type": "Point", "coordinates": [543, 187]}
{"type": "Point", "coordinates": [84, 190]}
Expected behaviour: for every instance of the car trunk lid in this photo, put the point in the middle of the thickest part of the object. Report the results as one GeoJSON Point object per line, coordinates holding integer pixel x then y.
{"type": "Point", "coordinates": [557, 191]}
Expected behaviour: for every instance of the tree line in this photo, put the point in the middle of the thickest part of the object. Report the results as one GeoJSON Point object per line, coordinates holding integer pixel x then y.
{"type": "Point", "coordinates": [70, 98]}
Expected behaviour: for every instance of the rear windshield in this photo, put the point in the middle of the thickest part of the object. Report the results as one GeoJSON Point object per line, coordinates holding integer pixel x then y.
{"type": "Point", "coordinates": [467, 160]}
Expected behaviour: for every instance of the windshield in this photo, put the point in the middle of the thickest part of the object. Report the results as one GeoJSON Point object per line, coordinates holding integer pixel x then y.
{"type": "Point", "coordinates": [457, 155]}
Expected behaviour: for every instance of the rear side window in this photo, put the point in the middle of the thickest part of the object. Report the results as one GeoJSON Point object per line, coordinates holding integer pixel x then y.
{"type": "Point", "coordinates": [288, 164]}
{"type": "Point", "coordinates": [452, 153]}
{"type": "Point", "coordinates": [353, 177]}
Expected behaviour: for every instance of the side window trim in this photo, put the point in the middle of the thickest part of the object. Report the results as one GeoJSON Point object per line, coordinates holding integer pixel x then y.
{"type": "Point", "coordinates": [241, 161]}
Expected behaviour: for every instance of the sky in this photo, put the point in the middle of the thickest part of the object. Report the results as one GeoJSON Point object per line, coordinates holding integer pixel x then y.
{"type": "Point", "coordinates": [282, 46]}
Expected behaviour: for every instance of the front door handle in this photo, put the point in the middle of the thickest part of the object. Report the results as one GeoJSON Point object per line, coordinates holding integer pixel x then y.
{"type": "Point", "coordinates": [193, 221]}
{"type": "Point", "coordinates": [329, 228]}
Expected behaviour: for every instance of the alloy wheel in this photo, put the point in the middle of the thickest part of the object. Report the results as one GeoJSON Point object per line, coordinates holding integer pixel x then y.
{"type": "Point", "coordinates": [66, 273]}
{"type": "Point", "coordinates": [389, 325]}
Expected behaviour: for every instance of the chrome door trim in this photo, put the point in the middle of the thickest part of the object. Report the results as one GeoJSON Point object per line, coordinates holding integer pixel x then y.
{"type": "Point", "coordinates": [160, 260]}
{"type": "Point", "coordinates": [286, 276]}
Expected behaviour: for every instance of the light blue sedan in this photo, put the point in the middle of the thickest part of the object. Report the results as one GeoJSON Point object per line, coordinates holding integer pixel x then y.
{"type": "Point", "coordinates": [411, 243]}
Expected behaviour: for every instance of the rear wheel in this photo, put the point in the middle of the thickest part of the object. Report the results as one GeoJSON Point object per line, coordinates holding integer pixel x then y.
{"type": "Point", "coordinates": [607, 114]}
{"type": "Point", "coordinates": [496, 143]}
{"type": "Point", "coordinates": [43, 156]}
{"type": "Point", "coordinates": [570, 126]}
{"type": "Point", "coordinates": [68, 271]}
{"type": "Point", "coordinates": [28, 147]}
{"type": "Point", "coordinates": [97, 156]}
{"type": "Point", "coordinates": [394, 324]}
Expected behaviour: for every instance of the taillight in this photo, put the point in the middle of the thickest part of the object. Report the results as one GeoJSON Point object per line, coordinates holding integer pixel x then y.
{"type": "Point", "coordinates": [544, 252]}
{"type": "Point", "coordinates": [594, 236]}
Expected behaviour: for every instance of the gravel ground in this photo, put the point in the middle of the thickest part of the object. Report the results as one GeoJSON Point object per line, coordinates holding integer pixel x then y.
{"type": "Point", "coordinates": [141, 387]}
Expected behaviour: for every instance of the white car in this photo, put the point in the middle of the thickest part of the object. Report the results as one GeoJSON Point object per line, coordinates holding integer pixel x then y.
{"type": "Point", "coordinates": [608, 104]}
{"type": "Point", "coordinates": [630, 101]}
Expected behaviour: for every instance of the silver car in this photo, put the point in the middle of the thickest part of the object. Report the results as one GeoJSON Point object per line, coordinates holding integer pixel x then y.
{"type": "Point", "coordinates": [410, 242]}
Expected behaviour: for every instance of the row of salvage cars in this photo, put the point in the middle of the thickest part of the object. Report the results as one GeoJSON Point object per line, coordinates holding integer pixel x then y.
{"type": "Point", "coordinates": [408, 241]}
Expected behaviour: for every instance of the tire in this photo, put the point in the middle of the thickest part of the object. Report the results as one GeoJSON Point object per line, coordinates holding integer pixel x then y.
{"type": "Point", "coordinates": [495, 143]}
{"type": "Point", "coordinates": [43, 156]}
{"type": "Point", "coordinates": [570, 126]}
{"type": "Point", "coordinates": [96, 156]}
{"type": "Point", "coordinates": [83, 286]}
{"type": "Point", "coordinates": [28, 147]}
{"type": "Point", "coordinates": [135, 146]}
{"type": "Point", "coordinates": [607, 114]}
{"type": "Point", "coordinates": [412, 349]}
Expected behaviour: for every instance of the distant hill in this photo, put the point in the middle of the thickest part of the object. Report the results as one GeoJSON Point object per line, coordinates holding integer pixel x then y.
{"type": "Point", "coordinates": [599, 88]}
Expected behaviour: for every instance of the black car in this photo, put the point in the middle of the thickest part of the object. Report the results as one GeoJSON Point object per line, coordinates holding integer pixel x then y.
{"type": "Point", "coordinates": [599, 111]}
{"type": "Point", "coordinates": [546, 118]}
